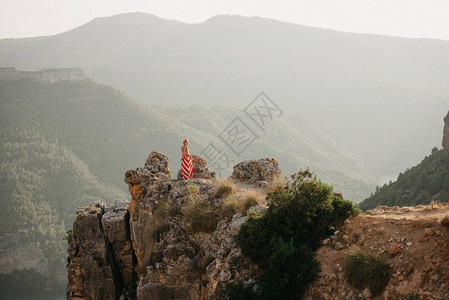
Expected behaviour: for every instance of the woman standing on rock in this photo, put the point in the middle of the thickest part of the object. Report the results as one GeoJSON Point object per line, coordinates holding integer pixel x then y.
{"type": "Point", "coordinates": [186, 161]}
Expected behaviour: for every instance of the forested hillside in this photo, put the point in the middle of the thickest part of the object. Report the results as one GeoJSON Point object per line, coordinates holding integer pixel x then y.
{"type": "Point", "coordinates": [419, 185]}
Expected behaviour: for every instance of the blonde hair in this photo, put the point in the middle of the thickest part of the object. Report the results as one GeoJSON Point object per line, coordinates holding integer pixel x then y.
{"type": "Point", "coordinates": [184, 141]}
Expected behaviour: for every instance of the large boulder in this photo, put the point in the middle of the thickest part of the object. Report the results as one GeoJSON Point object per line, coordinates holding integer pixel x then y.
{"type": "Point", "coordinates": [158, 163]}
{"type": "Point", "coordinates": [254, 170]}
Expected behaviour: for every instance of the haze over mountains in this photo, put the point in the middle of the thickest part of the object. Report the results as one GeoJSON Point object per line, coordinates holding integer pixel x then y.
{"type": "Point", "coordinates": [66, 143]}
{"type": "Point", "coordinates": [356, 108]}
{"type": "Point", "coordinates": [380, 96]}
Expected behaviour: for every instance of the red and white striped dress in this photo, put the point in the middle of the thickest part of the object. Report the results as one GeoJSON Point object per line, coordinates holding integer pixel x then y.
{"type": "Point", "coordinates": [186, 167]}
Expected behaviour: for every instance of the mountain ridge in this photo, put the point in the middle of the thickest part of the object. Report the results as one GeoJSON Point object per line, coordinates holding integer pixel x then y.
{"type": "Point", "coordinates": [353, 87]}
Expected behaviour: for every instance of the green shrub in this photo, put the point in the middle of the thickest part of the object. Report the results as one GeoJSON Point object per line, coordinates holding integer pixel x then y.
{"type": "Point", "coordinates": [342, 209]}
{"type": "Point", "coordinates": [200, 215]}
{"type": "Point", "coordinates": [239, 291]}
{"type": "Point", "coordinates": [298, 218]}
{"type": "Point", "coordinates": [224, 188]}
{"type": "Point", "coordinates": [68, 236]}
{"type": "Point", "coordinates": [365, 270]}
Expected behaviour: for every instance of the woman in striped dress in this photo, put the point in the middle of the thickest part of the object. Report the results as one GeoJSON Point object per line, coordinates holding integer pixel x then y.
{"type": "Point", "coordinates": [186, 161]}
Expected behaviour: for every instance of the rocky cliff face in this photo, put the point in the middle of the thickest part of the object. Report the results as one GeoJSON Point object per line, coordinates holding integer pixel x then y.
{"type": "Point", "coordinates": [445, 142]}
{"type": "Point", "coordinates": [45, 76]}
{"type": "Point", "coordinates": [147, 249]}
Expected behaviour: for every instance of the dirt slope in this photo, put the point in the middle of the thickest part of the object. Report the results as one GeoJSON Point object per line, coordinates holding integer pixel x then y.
{"type": "Point", "coordinates": [411, 239]}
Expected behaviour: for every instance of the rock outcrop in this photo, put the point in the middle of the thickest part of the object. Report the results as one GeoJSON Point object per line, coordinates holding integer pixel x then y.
{"type": "Point", "coordinates": [255, 170]}
{"type": "Point", "coordinates": [199, 168]}
{"type": "Point", "coordinates": [45, 76]}
{"type": "Point", "coordinates": [445, 142]}
{"type": "Point", "coordinates": [147, 249]}
{"type": "Point", "coordinates": [91, 267]}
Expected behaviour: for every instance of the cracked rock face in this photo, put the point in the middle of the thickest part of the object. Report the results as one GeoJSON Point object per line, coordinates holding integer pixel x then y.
{"type": "Point", "coordinates": [147, 249]}
{"type": "Point", "coordinates": [90, 267]}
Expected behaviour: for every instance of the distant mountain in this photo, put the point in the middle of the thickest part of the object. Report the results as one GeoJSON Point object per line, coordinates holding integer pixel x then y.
{"type": "Point", "coordinates": [380, 96]}
{"type": "Point", "coordinates": [421, 184]}
{"type": "Point", "coordinates": [67, 141]}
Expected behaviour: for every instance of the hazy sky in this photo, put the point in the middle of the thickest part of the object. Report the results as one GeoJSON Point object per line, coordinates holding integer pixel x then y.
{"type": "Point", "coordinates": [410, 18]}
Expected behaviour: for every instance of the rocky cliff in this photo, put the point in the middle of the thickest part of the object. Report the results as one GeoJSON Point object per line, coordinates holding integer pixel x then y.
{"type": "Point", "coordinates": [445, 142]}
{"type": "Point", "coordinates": [153, 248]}
{"type": "Point", "coordinates": [148, 249]}
{"type": "Point", "coordinates": [44, 76]}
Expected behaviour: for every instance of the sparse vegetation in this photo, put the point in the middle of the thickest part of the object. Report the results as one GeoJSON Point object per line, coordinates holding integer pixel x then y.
{"type": "Point", "coordinates": [231, 205]}
{"type": "Point", "coordinates": [68, 236]}
{"type": "Point", "coordinates": [444, 221]}
{"type": "Point", "coordinates": [276, 185]}
{"type": "Point", "coordinates": [224, 188]}
{"type": "Point", "coordinates": [192, 188]}
{"type": "Point", "coordinates": [164, 209]}
{"type": "Point", "coordinates": [366, 270]}
{"type": "Point", "coordinates": [239, 291]}
{"type": "Point", "coordinates": [298, 217]}
{"type": "Point", "coordinates": [200, 215]}
{"type": "Point", "coordinates": [250, 199]}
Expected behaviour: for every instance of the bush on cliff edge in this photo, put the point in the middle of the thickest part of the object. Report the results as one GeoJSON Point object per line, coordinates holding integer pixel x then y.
{"type": "Point", "coordinates": [283, 241]}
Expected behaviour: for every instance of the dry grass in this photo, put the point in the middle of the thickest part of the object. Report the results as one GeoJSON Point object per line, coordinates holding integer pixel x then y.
{"type": "Point", "coordinates": [192, 188]}
{"type": "Point", "coordinates": [200, 215]}
{"type": "Point", "coordinates": [231, 206]}
{"type": "Point", "coordinates": [276, 185]}
{"type": "Point", "coordinates": [444, 221]}
{"type": "Point", "coordinates": [224, 189]}
{"type": "Point", "coordinates": [432, 205]}
{"type": "Point", "coordinates": [166, 209]}
{"type": "Point", "coordinates": [366, 270]}
{"type": "Point", "coordinates": [250, 199]}
{"type": "Point", "coordinates": [163, 210]}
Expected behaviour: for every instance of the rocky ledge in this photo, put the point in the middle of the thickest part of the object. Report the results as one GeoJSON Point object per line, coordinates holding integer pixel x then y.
{"type": "Point", "coordinates": [147, 249]}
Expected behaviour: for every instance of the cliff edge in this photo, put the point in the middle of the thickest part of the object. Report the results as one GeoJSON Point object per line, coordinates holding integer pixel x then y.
{"type": "Point", "coordinates": [45, 75]}
{"type": "Point", "coordinates": [154, 247]}
{"type": "Point", "coordinates": [412, 240]}
{"type": "Point", "coordinates": [176, 239]}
